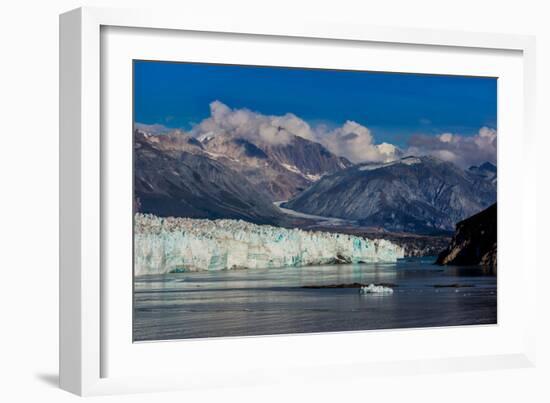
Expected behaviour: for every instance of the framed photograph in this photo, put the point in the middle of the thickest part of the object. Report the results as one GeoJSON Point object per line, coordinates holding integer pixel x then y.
{"type": "Point", "coordinates": [243, 201]}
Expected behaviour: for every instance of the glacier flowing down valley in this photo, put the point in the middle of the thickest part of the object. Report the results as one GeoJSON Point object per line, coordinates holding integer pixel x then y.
{"type": "Point", "coordinates": [164, 245]}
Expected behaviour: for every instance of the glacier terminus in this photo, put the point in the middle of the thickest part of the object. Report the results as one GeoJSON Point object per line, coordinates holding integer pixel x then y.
{"type": "Point", "coordinates": [164, 245]}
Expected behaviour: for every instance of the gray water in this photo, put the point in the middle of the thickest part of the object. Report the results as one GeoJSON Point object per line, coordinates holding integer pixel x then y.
{"type": "Point", "coordinates": [274, 301]}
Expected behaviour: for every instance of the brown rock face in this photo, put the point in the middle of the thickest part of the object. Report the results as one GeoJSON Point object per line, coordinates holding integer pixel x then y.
{"type": "Point", "coordinates": [474, 242]}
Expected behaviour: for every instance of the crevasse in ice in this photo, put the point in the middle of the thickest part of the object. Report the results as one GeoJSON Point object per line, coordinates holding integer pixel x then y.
{"type": "Point", "coordinates": [163, 245]}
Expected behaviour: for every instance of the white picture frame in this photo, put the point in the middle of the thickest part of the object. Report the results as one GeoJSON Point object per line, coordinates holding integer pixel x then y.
{"type": "Point", "coordinates": [86, 345]}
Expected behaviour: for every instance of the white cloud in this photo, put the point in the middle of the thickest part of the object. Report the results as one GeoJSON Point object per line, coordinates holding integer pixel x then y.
{"type": "Point", "coordinates": [446, 137]}
{"type": "Point", "coordinates": [356, 143]}
{"type": "Point", "coordinates": [464, 151]}
{"type": "Point", "coordinates": [251, 125]}
{"type": "Point", "coordinates": [351, 140]}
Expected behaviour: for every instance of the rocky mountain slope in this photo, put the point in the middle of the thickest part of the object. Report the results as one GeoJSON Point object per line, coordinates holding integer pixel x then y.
{"type": "Point", "coordinates": [485, 170]}
{"type": "Point", "coordinates": [413, 194]}
{"type": "Point", "coordinates": [173, 177]}
{"type": "Point", "coordinates": [474, 242]}
{"type": "Point", "coordinates": [279, 170]}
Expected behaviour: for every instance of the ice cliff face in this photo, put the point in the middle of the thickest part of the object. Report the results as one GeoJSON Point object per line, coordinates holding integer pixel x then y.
{"type": "Point", "coordinates": [163, 245]}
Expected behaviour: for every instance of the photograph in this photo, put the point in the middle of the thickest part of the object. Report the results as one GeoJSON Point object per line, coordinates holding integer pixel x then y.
{"type": "Point", "coordinates": [274, 200]}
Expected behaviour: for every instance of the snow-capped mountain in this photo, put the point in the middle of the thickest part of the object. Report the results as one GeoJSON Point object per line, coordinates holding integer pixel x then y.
{"type": "Point", "coordinates": [227, 176]}
{"type": "Point", "coordinates": [414, 194]}
{"type": "Point", "coordinates": [279, 170]}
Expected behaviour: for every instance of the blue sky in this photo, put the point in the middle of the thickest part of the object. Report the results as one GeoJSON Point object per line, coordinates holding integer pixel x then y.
{"type": "Point", "coordinates": [393, 106]}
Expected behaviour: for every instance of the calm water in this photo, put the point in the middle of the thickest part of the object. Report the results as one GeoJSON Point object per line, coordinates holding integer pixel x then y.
{"type": "Point", "coordinates": [274, 301]}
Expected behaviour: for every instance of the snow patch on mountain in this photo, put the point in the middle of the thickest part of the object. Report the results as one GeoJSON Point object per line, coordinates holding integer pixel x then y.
{"type": "Point", "coordinates": [308, 176]}
{"type": "Point", "coordinates": [292, 168]}
{"type": "Point", "coordinates": [404, 161]}
{"type": "Point", "coordinates": [313, 177]}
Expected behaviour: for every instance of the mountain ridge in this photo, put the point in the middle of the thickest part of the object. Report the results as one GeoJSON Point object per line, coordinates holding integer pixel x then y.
{"type": "Point", "coordinates": [279, 171]}
{"type": "Point", "coordinates": [175, 181]}
{"type": "Point", "coordinates": [414, 194]}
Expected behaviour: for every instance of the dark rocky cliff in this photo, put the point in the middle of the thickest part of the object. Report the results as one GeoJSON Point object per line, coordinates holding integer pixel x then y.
{"type": "Point", "coordinates": [474, 242]}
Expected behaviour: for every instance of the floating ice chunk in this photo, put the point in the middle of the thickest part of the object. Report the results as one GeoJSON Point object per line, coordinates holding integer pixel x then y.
{"type": "Point", "coordinates": [375, 289]}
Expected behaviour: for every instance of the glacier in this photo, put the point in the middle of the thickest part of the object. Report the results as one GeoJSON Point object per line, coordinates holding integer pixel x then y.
{"type": "Point", "coordinates": [164, 245]}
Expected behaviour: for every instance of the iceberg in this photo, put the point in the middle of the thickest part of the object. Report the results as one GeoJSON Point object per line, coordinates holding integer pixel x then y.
{"type": "Point", "coordinates": [375, 289]}
{"type": "Point", "coordinates": [164, 245]}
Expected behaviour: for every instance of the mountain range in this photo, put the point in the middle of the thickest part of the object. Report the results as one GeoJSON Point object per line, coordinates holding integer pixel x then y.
{"type": "Point", "coordinates": [228, 176]}
{"type": "Point", "coordinates": [413, 194]}
{"type": "Point", "coordinates": [278, 171]}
